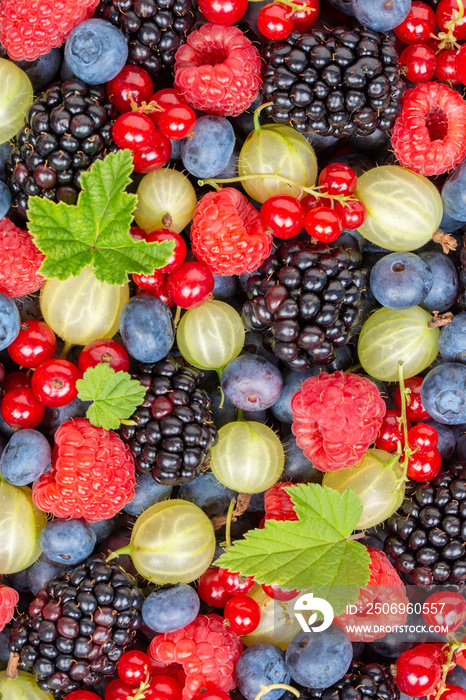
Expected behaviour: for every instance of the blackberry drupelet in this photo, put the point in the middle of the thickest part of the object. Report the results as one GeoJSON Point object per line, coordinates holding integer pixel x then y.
{"type": "Point", "coordinates": [154, 29]}
{"type": "Point", "coordinates": [333, 82]}
{"type": "Point", "coordinates": [307, 297]}
{"type": "Point", "coordinates": [66, 130]}
{"type": "Point", "coordinates": [78, 626]}
{"type": "Point", "coordinates": [174, 431]}
{"type": "Point", "coordinates": [428, 533]}
{"type": "Point", "coordinates": [362, 681]}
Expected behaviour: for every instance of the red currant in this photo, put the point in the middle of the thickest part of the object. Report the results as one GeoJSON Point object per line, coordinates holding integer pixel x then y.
{"type": "Point", "coordinates": [338, 178]}
{"type": "Point", "coordinates": [151, 283]}
{"type": "Point", "coordinates": [444, 13]}
{"type": "Point", "coordinates": [284, 215]}
{"type": "Point", "coordinates": [35, 343]}
{"type": "Point", "coordinates": [235, 583]}
{"type": "Point", "coordinates": [423, 466]}
{"type": "Point", "coordinates": [176, 122]}
{"type": "Point", "coordinates": [104, 350]}
{"type": "Point", "coordinates": [117, 690]}
{"type": "Point", "coordinates": [453, 692]}
{"type": "Point", "coordinates": [224, 12]}
{"type": "Point", "coordinates": [243, 614]}
{"type": "Point", "coordinates": [132, 85]}
{"type": "Point", "coordinates": [190, 285]}
{"type": "Point", "coordinates": [81, 695]}
{"type": "Point", "coordinates": [212, 695]}
{"type": "Point", "coordinates": [137, 233]}
{"type": "Point", "coordinates": [161, 292]}
{"type": "Point", "coordinates": [391, 432]}
{"type": "Point", "coordinates": [437, 649]}
{"type": "Point", "coordinates": [274, 21]}
{"type": "Point", "coordinates": [162, 99]}
{"type": "Point", "coordinates": [418, 25]}
{"type": "Point", "coordinates": [446, 609]}
{"type": "Point", "coordinates": [310, 202]}
{"type": "Point", "coordinates": [54, 382]}
{"type": "Point", "coordinates": [417, 672]}
{"type": "Point", "coordinates": [323, 223]}
{"type": "Point", "coordinates": [423, 437]}
{"type": "Point", "coordinates": [134, 667]}
{"type": "Point", "coordinates": [154, 156]}
{"type": "Point", "coordinates": [446, 70]}
{"type": "Point", "coordinates": [133, 130]}
{"type": "Point", "coordinates": [461, 64]}
{"type": "Point", "coordinates": [21, 409]}
{"type": "Point", "coordinates": [277, 593]}
{"type": "Point", "coordinates": [210, 589]}
{"type": "Point", "coordinates": [418, 63]}
{"type": "Point", "coordinates": [414, 408]}
{"type": "Point", "coordinates": [16, 380]}
{"type": "Point", "coordinates": [304, 19]}
{"type": "Point", "coordinates": [352, 213]}
{"type": "Point", "coordinates": [166, 685]}
{"type": "Point", "coordinates": [178, 256]}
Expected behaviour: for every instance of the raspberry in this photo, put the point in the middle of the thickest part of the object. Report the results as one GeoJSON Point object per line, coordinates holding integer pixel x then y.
{"type": "Point", "coordinates": [92, 474]}
{"type": "Point", "coordinates": [227, 233]}
{"type": "Point", "coordinates": [335, 419]}
{"type": "Point", "coordinates": [218, 70]}
{"type": "Point", "coordinates": [20, 261]}
{"type": "Point", "coordinates": [30, 28]}
{"type": "Point", "coordinates": [278, 503]}
{"type": "Point", "coordinates": [207, 651]}
{"type": "Point", "coordinates": [429, 136]}
{"type": "Point", "coordinates": [384, 588]}
{"type": "Point", "coordinates": [8, 599]}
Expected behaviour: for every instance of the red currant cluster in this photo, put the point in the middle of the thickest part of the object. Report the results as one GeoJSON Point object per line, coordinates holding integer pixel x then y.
{"type": "Point", "coordinates": [186, 284]}
{"type": "Point", "coordinates": [428, 55]}
{"type": "Point", "coordinates": [277, 20]}
{"type": "Point", "coordinates": [323, 217]}
{"type": "Point", "coordinates": [424, 461]}
{"type": "Point", "coordinates": [148, 136]}
{"type": "Point", "coordinates": [53, 382]}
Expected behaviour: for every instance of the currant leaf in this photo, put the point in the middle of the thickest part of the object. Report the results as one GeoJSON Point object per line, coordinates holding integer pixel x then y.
{"type": "Point", "coordinates": [95, 231]}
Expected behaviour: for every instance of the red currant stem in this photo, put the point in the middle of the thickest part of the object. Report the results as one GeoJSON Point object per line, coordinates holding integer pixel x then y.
{"type": "Point", "coordinates": [12, 668]}
{"type": "Point", "coordinates": [453, 649]}
{"type": "Point", "coordinates": [141, 691]}
{"type": "Point", "coordinates": [407, 450]}
{"type": "Point", "coordinates": [295, 7]}
{"type": "Point", "coordinates": [176, 320]}
{"type": "Point", "coordinates": [448, 39]}
{"type": "Point", "coordinates": [257, 124]}
{"type": "Point", "coordinates": [314, 191]}
{"type": "Point", "coordinates": [118, 552]}
{"type": "Point", "coordinates": [265, 689]}
{"type": "Point", "coordinates": [231, 508]}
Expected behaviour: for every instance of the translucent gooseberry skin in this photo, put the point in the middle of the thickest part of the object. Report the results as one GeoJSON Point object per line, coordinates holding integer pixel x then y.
{"type": "Point", "coordinates": [248, 457]}
{"type": "Point", "coordinates": [22, 523]}
{"type": "Point", "coordinates": [16, 96]}
{"type": "Point", "coordinates": [172, 542]}
{"type": "Point", "coordinates": [23, 687]}
{"type": "Point", "coordinates": [166, 198]}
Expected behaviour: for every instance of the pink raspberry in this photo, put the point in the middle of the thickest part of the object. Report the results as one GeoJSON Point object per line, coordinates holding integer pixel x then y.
{"type": "Point", "coordinates": [278, 503]}
{"type": "Point", "coordinates": [20, 261]}
{"type": "Point", "coordinates": [8, 600]}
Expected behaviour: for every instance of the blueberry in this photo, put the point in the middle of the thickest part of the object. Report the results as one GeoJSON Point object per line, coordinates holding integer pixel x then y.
{"type": "Point", "coordinates": [206, 152]}
{"type": "Point", "coordinates": [443, 393]}
{"type": "Point", "coordinates": [224, 287]}
{"type": "Point", "coordinates": [43, 69]}
{"type": "Point", "coordinates": [54, 417]}
{"type": "Point", "coordinates": [281, 409]}
{"type": "Point", "coordinates": [446, 438]}
{"type": "Point", "coordinates": [67, 541]}
{"type": "Point", "coordinates": [207, 493]}
{"type": "Point", "coordinates": [25, 458]}
{"type": "Point", "coordinates": [297, 466]}
{"type": "Point", "coordinates": [319, 660]}
{"type": "Point", "coordinates": [378, 140]}
{"type": "Point", "coordinates": [146, 493]}
{"type": "Point", "coordinates": [454, 193]}
{"type": "Point", "coordinates": [448, 224]}
{"type": "Point", "coordinates": [10, 321]}
{"type": "Point", "coordinates": [170, 609]}
{"type": "Point", "coordinates": [452, 340]}
{"type": "Point", "coordinates": [96, 51]}
{"type": "Point", "coordinates": [381, 15]}
{"type": "Point", "coordinates": [345, 6]}
{"type": "Point", "coordinates": [261, 664]}
{"type": "Point", "coordinates": [457, 676]}
{"type": "Point", "coordinates": [176, 150]}
{"type": "Point", "coordinates": [251, 382]}
{"type": "Point", "coordinates": [104, 528]}
{"type": "Point", "coordinates": [445, 283]}
{"type": "Point", "coordinates": [146, 327]}
{"type": "Point", "coordinates": [400, 280]}
{"type": "Point", "coordinates": [5, 199]}
{"type": "Point", "coordinates": [41, 572]}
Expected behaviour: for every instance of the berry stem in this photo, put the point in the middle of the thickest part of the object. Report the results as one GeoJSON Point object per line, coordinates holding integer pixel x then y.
{"type": "Point", "coordinates": [257, 124]}
{"type": "Point", "coordinates": [404, 392]}
{"type": "Point", "coordinates": [12, 668]}
{"type": "Point", "coordinates": [295, 7]}
{"type": "Point", "coordinates": [448, 39]}
{"type": "Point", "coordinates": [176, 320]}
{"type": "Point", "coordinates": [66, 348]}
{"type": "Point", "coordinates": [453, 648]}
{"type": "Point", "coordinates": [281, 686]}
{"type": "Point", "coordinates": [119, 552]}
{"type": "Point", "coordinates": [231, 508]}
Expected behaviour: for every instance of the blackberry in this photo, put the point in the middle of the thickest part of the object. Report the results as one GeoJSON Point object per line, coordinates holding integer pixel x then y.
{"type": "Point", "coordinates": [65, 131]}
{"type": "Point", "coordinates": [307, 297]}
{"type": "Point", "coordinates": [78, 626]}
{"type": "Point", "coordinates": [428, 533]}
{"type": "Point", "coordinates": [174, 432]}
{"type": "Point", "coordinates": [361, 682]}
{"type": "Point", "coordinates": [154, 29]}
{"type": "Point", "coordinates": [333, 82]}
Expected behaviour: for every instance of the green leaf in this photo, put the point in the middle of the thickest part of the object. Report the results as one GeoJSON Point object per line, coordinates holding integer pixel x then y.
{"type": "Point", "coordinates": [312, 552]}
{"type": "Point", "coordinates": [114, 395]}
{"type": "Point", "coordinates": [95, 231]}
